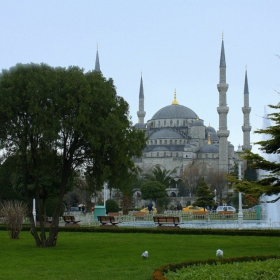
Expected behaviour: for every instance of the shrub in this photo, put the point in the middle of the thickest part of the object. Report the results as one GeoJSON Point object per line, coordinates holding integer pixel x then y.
{"type": "Point", "coordinates": [112, 206]}
{"type": "Point", "coordinates": [13, 213]}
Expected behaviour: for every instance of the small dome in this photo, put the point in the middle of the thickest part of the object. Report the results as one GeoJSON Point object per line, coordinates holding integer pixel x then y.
{"type": "Point", "coordinates": [210, 129]}
{"type": "Point", "coordinates": [174, 112]}
{"type": "Point", "coordinates": [166, 134]}
{"type": "Point", "coordinates": [208, 149]}
{"type": "Point", "coordinates": [230, 145]}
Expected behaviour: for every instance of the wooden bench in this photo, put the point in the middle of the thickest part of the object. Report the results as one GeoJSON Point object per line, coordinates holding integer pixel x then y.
{"type": "Point", "coordinates": [167, 221]}
{"type": "Point", "coordinates": [107, 221]}
{"type": "Point", "coordinates": [199, 214]}
{"type": "Point", "coordinates": [70, 220]}
{"type": "Point", "coordinates": [139, 216]}
{"type": "Point", "coordinates": [115, 214]}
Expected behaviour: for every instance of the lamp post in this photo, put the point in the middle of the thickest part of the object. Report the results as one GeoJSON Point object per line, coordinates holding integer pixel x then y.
{"type": "Point", "coordinates": [34, 210]}
{"type": "Point", "coordinates": [215, 198]}
{"type": "Point", "coordinates": [240, 212]}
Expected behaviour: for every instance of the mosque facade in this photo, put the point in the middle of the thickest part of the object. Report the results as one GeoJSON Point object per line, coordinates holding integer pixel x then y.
{"type": "Point", "coordinates": [177, 137]}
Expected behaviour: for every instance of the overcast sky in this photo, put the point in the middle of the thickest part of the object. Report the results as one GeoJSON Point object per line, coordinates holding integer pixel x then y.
{"type": "Point", "coordinates": [176, 44]}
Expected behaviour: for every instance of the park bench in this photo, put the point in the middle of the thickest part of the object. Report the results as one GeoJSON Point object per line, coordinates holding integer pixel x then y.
{"type": "Point", "coordinates": [199, 214]}
{"type": "Point", "coordinates": [107, 221]}
{"type": "Point", "coordinates": [115, 214]}
{"type": "Point", "coordinates": [165, 221]}
{"type": "Point", "coordinates": [70, 220]}
{"type": "Point", "coordinates": [139, 216]}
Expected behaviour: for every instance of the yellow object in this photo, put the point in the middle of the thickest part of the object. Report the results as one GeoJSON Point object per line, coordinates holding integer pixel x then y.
{"type": "Point", "coordinates": [194, 209]}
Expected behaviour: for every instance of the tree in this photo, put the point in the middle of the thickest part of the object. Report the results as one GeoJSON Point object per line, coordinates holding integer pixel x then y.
{"type": "Point", "coordinates": [153, 190]}
{"type": "Point", "coordinates": [162, 176]}
{"type": "Point", "coordinates": [205, 197]}
{"type": "Point", "coordinates": [217, 179]}
{"type": "Point", "coordinates": [191, 177]}
{"type": "Point", "coordinates": [68, 119]}
{"type": "Point", "coordinates": [268, 184]}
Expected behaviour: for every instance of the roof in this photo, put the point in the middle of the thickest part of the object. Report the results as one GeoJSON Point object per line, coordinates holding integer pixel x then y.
{"type": "Point", "coordinates": [209, 148]}
{"type": "Point", "coordinates": [166, 134]}
{"type": "Point", "coordinates": [174, 112]}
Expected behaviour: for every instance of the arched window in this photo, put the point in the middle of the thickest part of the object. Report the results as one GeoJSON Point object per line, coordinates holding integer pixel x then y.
{"type": "Point", "coordinates": [177, 122]}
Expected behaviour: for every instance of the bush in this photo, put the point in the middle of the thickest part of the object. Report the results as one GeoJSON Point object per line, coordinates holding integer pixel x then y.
{"type": "Point", "coordinates": [112, 206]}
{"type": "Point", "coordinates": [13, 213]}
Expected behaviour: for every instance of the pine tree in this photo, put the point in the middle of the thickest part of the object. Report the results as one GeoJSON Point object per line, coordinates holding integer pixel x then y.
{"type": "Point", "coordinates": [205, 196]}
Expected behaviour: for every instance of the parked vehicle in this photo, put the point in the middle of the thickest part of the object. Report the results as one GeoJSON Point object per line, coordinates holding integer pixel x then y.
{"type": "Point", "coordinates": [225, 209]}
{"type": "Point", "coordinates": [74, 209]}
{"type": "Point", "coordinates": [192, 208]}
{"type": "Point", "coordinates": [145, 210]}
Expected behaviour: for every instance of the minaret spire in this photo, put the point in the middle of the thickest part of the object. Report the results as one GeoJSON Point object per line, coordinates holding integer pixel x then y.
{"type": "Point", "coordinates": [141, 113]}
{"type": "Point", "coordinates": [97, 65]}
{"type": "Point", "coordinates": [246, 128]}
{"type": "Point", "coordinates": [223, 132]}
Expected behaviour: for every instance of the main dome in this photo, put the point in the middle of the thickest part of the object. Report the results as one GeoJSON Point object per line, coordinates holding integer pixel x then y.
{"type": "Point", "coordinates": [174, 112]}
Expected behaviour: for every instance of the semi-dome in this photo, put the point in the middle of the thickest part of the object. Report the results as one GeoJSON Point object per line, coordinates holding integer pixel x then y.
{"type": "Point", "coordinates": [209, 148]}
{"type": "Point", "coordinates": [174, 112]}
{"type": "Point", "coordinates": [197, 123]}
{"type": "Point", "coordinates": [166, 134]}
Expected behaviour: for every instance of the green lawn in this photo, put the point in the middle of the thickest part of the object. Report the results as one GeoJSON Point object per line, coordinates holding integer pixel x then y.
{"type": "Point", "coordinates": [117, 256]}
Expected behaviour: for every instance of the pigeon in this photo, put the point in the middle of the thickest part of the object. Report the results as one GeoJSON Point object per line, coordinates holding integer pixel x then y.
{"type": "Point", "coordinates": [219, 253]}
{"type": "Point", "coordinates": [145, 255]}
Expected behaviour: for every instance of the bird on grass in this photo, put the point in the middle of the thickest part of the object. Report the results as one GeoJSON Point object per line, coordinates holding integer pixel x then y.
{"type": "Point", "coordinates": [145, 255]}
{"type": "Point", "coordinates": [219, 253]}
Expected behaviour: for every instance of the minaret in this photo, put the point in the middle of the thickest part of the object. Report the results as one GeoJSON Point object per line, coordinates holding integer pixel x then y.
{"type": "Point", "coordinates": [246, 112]}
{"type": "Point", "coordinates": [97, 65]}
{"type": "Point", "coordinates": [141, 113]}
{"type": "Point", "coordinates": [223, 133]}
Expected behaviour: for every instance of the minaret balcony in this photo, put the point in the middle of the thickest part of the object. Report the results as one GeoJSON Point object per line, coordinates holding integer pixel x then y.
{"type": "Point", "coordinates": [246, 110]}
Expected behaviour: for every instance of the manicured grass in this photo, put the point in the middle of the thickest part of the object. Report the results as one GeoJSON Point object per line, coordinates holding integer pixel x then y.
{"type": "Point", "coordinates": [117, 256]}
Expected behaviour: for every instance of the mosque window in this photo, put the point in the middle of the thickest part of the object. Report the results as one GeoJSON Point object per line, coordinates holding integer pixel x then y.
{"type": "Point", "coordinates": [165, 142]}
{"type": "Point", "coordinates": [155, 141]}
{"type": "Point", "coordinates": [171, 123]}
{"type": "Point", "coordinates": [177, 122]}
{"type": "Point", "coordinates": [160, 142]}
{"type": "Point", "coordinates": [206, 155]}
{"type": "Point", "coordinates": [164, 154]}
{"type": "Point", "coordinates": [158, 123]}
{"type": "Point", "coordinates": [158, 154]}
{"type": "Point", "coordinates": [175, 142]}
{"type": "Point", "coordinates": [164, 123]}
{"type": "Point", "coordinates": [171, 142]}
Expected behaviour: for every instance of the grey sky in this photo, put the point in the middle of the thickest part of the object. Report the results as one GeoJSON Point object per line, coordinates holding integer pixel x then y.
{"type": "Point", "coordinates": [176, 44]}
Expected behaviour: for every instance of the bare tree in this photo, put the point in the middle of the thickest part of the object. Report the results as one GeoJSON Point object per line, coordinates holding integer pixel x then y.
{"type": "Point", "coordinates": [13, 212]}
{"type": "Point", "coordinates": [191, 177]}
{"type": "Point", "coordinates": [218, 181]}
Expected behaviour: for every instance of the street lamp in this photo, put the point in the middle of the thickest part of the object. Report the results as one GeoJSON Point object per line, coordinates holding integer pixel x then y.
{"type": "Point", "coordinates": [215, 198]}
{"type": "Point", "coordinates": [240, 212]}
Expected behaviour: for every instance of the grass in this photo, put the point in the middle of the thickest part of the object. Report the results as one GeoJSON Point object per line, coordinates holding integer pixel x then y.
{"type": "Point", "coordinates": [117, 255]}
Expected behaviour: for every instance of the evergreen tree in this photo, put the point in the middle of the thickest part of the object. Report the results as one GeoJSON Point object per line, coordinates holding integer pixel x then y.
{"type": "Point", "coordinates": [204, 196]}
{"type": "Point", "coordinates": [267, 184]}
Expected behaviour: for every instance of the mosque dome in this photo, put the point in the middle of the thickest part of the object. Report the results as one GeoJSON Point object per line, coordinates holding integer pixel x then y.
{"type": "Point", "coordinates": [209, 148]}
{"type": "Point", "coordinates": [213, 136]}
{"type": "Point", "coordinates": [174, 111]}
{"type": "Point", "coordinates": [210, 129]}
{"type": "Point", "coordinates": [166, 134]}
